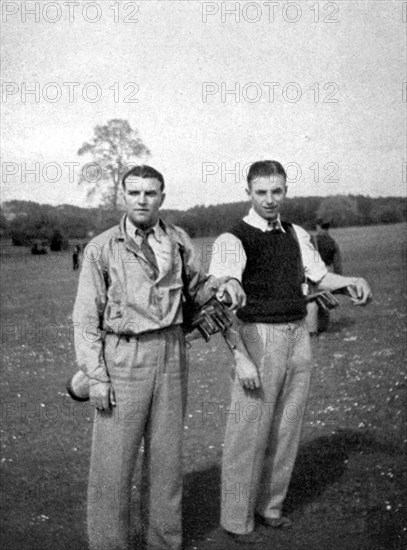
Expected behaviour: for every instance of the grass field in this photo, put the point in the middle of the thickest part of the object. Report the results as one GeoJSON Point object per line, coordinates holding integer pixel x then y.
{"type": "Point", "coordinates": [348, 487]}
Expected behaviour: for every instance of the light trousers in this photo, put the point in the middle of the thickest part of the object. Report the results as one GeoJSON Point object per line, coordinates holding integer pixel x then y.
{"type": "Point", "coordinates": [263, 427]}
{"type": "Point", "coordinates": [149, 376]}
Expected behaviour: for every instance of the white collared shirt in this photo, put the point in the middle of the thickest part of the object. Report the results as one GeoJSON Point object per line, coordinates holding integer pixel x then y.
{"type": "Point", "coordinates": [255, 220]}
{"type": "Point", "coordinates": [229, 258]}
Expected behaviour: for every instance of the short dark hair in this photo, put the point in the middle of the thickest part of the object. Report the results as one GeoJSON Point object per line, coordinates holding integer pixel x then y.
{"type": "Point", "coordinates": [325, 224]}
{"type": "Point", "coordinates": [144, 171]}
{"type": "Point", "coordinates": [265, 168]}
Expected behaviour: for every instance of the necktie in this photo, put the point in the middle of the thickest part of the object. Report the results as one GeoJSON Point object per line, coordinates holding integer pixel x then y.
{"type": "Point", "coordinates": [147, 251]}
{"type": "Point", "coordinates": [274, 227]}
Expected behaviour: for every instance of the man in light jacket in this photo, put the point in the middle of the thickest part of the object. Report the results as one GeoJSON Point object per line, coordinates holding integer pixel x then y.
{"type": "Point", "coordinates": [130, 343]}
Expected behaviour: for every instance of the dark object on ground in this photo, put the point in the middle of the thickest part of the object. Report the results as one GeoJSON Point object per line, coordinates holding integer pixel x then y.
{"type": "Point", "coordinates": [39, 248]}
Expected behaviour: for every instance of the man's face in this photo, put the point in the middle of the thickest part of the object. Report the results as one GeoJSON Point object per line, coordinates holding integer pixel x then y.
{"type": "Point", "coordinates": [267, 194]}
{"type": "Point", "coordinates": [143, 198]}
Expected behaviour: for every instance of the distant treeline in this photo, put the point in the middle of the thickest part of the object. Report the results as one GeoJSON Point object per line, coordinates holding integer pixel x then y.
{"type": "Point", "coordinates": [25, 221]}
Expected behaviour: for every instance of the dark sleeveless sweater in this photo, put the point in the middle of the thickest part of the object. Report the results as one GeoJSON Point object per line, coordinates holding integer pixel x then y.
{"type": "Point", "coordinates": [273, 275]}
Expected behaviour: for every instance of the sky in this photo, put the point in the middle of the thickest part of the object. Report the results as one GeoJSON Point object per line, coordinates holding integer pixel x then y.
{"type": "Point", "coordinates": [210, 87]}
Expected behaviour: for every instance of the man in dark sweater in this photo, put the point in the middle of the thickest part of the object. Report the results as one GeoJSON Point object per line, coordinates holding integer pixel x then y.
{"type": "Point", "coordinates": [272, 352]}
{"type": "Point", "coordinates": [328, 249]}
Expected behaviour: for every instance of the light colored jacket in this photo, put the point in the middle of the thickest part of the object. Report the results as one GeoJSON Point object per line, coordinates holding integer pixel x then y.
{"type": "Point", "coordinates": [117, 293]}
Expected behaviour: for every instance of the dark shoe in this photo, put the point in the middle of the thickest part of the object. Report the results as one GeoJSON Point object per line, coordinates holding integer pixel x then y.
{"type": "Point", "coordinates": [248, 538]}
{"type": "Point", "coordinates": [282, 522]}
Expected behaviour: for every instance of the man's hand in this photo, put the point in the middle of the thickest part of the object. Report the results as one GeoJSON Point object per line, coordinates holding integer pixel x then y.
{"type": "Point", "coordinates": [360, 292]}
{"type": "Point", "coordinates": [102, 396]}
{"type": "Point", "coordinates": [246, 371]}
{"type": "Point", "coordinates": [357, 288]}
{"type": "Point", "coordinates": [232, 294]}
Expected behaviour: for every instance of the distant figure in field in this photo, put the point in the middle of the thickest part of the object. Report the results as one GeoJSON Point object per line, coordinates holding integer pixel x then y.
{"type": "Point", "coordinates": [75, 257]}
{"type": "Point", "coordinates": [328, 248]}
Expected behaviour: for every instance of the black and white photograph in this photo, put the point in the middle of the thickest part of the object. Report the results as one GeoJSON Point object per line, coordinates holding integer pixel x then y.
{"type": "Point", "coordinates": [203, 247]}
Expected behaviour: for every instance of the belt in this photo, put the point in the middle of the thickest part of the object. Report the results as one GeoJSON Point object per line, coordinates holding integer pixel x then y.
{"type": "Point", "coordinates": [131, 336]}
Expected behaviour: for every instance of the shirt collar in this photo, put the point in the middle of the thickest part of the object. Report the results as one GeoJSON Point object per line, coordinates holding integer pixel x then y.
{"type": "Point", "coordinates": [255, 220]}
{"type": "Point", "coordinates": [157, 230]}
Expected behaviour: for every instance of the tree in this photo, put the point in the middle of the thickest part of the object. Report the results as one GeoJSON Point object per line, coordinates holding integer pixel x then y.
{"type": "Point", "coordinates": [3, 223]}
{"type": "Point", "coordinates": [114, 147]}
{"type": "Point", "coordinates": [58, 242]}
